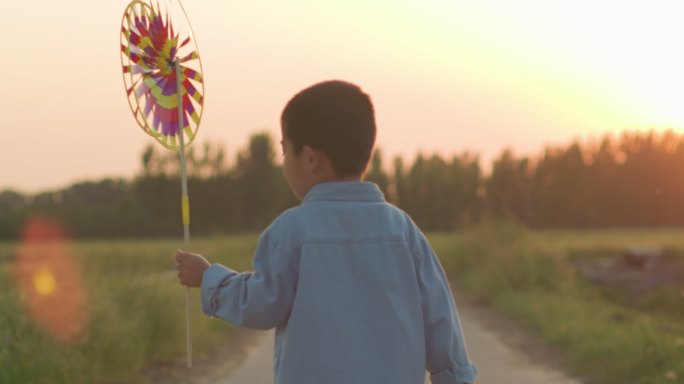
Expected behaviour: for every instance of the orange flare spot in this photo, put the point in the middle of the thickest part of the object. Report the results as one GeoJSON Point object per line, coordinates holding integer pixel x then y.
{"type": "Point", "coordinates": [44, 281]}
{"type": "Point", "coordinates": [50, 281]}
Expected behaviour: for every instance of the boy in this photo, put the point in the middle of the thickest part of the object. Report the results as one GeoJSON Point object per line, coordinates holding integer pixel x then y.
{"type": "Point", "coordinates": [351, 285]}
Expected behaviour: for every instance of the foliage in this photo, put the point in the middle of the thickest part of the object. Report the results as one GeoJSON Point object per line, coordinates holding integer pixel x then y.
{"type": "Point", "coordinates": [136, 313]}
{"type": "Point", "coordinates": [527, 275]}
{"type": "Point", "coordinates": [630, 181]}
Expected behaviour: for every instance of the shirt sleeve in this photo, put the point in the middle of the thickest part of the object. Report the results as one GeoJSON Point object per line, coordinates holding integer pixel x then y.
{"type": "Point", "coordinates": [260, 299]}
{"type": "Point", "coordinates": [446, 355]}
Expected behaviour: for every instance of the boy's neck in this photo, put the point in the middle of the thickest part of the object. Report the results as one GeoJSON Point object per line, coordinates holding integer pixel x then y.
{"type": "Point", "coordinates": [331, 178]}
{"type": "Point", "coordinates": [338, 179]}
{"type": "Point", "coordinates": [328, 175]}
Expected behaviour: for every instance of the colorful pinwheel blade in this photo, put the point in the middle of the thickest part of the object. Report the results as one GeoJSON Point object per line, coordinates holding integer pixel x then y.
{"type": "Point", "coordinates": [154, 37]}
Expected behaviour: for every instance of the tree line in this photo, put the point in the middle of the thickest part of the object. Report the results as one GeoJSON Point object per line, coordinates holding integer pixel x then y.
{"type": "Point", "coordinates": [633, 180]}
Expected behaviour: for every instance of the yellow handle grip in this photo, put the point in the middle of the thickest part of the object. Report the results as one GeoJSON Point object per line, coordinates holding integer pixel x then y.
{"type": "Point", "coordinates": [186, 210]}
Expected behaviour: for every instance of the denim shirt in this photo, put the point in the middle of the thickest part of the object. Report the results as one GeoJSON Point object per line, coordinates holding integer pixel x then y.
{"type": "Point", "coordinates": [354, 290]}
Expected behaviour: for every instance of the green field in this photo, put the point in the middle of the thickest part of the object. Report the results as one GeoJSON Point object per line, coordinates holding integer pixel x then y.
{"type": "Point", "coordinates": [606, 335]}
{"type": "Point", "coordinates": [134, 315]}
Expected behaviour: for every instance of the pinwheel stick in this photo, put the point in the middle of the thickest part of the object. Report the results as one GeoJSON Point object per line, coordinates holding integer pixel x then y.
{"type": "Point", "coordinates": [185, 206]}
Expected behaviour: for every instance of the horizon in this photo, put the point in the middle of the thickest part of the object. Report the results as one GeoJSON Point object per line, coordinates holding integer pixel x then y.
{"type": "Point", "coordinates": [587, 144]}
{"type": "Point", "coordinates": [445, 77]}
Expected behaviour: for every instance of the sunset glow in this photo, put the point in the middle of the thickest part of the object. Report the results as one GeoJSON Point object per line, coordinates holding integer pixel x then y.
{"type": "Point", "coordinates": [445, 75]}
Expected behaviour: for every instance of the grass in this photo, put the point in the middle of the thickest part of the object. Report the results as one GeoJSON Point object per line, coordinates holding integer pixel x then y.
{"type": "Point", "coordinates": [527, 275]}
{"type": "Point", "coordinates": [135, 312]}
{"type": "Point", "coordinates": [135, 307]}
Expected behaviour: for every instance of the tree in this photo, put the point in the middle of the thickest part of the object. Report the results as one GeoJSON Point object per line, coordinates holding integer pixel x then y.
{"type": "Point", "coordinates": [13, 207]}
{"type": "Point", "coordinates": [377, 174]}
{"type": "Point", "coordinates": [398, 193]}
{"type": "Point", "coordinates": [465, 188]}
{"type": "Point", "coordinates": [258, 180]}
{"type": "Point", "coordinates": [508, 189]}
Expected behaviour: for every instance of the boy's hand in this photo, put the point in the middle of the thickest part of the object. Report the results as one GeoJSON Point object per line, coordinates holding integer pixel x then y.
{"type": "Point", "coordinates": [190, 267]}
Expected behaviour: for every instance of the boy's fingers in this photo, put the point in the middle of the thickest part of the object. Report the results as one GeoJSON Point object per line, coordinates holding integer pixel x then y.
{"type": "Point", "coordinates": [182, 278]}
{"type": "Point", "coordinates": [180, 256]}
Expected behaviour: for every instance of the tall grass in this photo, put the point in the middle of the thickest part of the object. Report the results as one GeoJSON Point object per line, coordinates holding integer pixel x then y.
{"type": "Point", "coordinates": [527, 275]}
{"type": "Point", "coordinates": [136, 307]}
{"type": "Point", "coordinates": [135, 311]}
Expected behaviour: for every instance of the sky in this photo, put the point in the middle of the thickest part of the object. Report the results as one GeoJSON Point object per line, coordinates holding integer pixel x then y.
{"type": "Point", "coordinates": [446, 76]}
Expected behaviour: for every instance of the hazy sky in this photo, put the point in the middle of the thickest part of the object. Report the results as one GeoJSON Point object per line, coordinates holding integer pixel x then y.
{"type": "Point", "coordinates": [445, 75]}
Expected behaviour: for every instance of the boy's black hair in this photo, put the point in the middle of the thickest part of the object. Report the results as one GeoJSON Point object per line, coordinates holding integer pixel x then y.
{"type": "Point", "coordinates": [336, 118]}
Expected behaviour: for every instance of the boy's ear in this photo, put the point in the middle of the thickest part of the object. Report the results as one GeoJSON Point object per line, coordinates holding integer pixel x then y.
{"type": "Point", "coordinates": [313, 159]}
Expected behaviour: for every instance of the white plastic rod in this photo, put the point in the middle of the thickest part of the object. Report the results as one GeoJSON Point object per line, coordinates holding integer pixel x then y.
{"type": "Point", "coordinates": [185, 207]}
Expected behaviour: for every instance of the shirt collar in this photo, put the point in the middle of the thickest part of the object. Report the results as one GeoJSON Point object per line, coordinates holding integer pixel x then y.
{"type": "Point", "coordinates": [344, 191]}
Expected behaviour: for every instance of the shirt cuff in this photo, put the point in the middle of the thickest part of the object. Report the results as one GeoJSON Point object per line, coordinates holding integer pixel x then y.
{"type": "Point", "coordinates": [463, 375]}
{"type": "Point", "coordinates": [212, 279]}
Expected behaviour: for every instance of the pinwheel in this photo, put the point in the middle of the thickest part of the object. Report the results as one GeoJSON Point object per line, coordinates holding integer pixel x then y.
{"type": "Point", "coordinates": [163, 78]}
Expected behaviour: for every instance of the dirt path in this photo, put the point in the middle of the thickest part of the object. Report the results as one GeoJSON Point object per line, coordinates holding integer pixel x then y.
{"type": "Point", "coordinates": [234, 349]}
{"type": "Point", "coordinates": [502, 350]}
{"type": "Point", "coordinates": [258, 366]}
{"type": "Point", "coordinates": [506, 353]}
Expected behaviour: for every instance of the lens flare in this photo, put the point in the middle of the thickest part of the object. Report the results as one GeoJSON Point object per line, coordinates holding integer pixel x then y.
{"type": "Point", "coordinates": [44, 281]}
{"type": "Point", "coordinates": [50, 281]}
